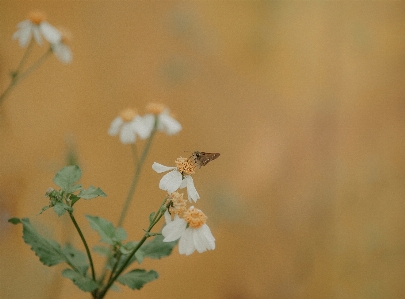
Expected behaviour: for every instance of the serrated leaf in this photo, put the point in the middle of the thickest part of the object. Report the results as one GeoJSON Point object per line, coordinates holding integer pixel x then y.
{"type": "Point", "coordinates": [60, 208]}
{"type": "Point", "coordinates": [67, 176]}
{"type": "Point", "coordinates": [91, 192]}
{"type": "Point", "coordinates": [84, 283]}
{"type": "Point", "coordinates": [48, 251]}
{"type": "Point", "coordinates": [104, 228]}
{"type": "Point", "coordinates": [76, 258]}
{"type": "Point", "coordinates": [137, 278]}
{"type": "Point", "coordinates": [120, 234]}
{"type": "Point", "coordinates": [157, 249]}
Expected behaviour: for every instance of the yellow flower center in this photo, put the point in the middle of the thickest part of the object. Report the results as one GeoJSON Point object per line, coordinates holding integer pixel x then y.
{"type": "Point", "coordinates": [178, 204]}
{"type": "Point", "coordinates": [128, 114]}
{"type": "Point", "coordinates": [36, 17]}
{"type": "Point", "coordinates": [155, 108]}
{"type": "Point", "coordinates": [195, 218]}
{"type": "Point", "coordinates": [185, 166]}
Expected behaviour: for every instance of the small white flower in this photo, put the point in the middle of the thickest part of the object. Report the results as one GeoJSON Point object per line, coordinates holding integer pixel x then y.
{"type": "Point", "coordinates": [178, 177]}
{"type": "Point", "coordinates": [128, 125]}
{"type": "Point", "coordinates": [165, 122]}
{"type": "Point", "coordinates": [194, 234]}
{"type": "Point", "coordinates": [36, 26]}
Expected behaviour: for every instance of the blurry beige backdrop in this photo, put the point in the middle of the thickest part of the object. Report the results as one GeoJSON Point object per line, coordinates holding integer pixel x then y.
{"type": "Point", "coordinates": [305, 101]}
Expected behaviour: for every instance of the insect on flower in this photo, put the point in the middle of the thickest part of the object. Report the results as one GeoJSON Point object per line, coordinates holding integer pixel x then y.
{"type": "Point", "coordinates": [202, 158]}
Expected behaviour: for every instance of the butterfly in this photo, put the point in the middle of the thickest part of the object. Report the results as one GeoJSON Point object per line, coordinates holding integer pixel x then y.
{"type": "Point", "coordinates": [202, 158]}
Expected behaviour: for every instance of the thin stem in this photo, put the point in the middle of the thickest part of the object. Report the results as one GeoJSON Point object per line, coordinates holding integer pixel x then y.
{"type": "Point", "coordinates": [136, 176]}
{"type": "Point", "coordinates": [93, 274]}
{"type": "Point", "coordinates": [128, 259]}
{"type": "Point", "coordinates": [17, 76]}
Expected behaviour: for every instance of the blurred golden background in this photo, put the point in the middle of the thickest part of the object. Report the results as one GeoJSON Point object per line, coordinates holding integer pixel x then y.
{"type": "Point", "coordinates": [305, 101]}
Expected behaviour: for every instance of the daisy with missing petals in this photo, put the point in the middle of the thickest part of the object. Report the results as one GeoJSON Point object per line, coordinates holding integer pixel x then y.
{"type": "Point", "coordinates": [36, 26]}
{"type": "Point", "coordinates": [178, 177]}
{"type": "Point", "coordinates": [194, 234]}
{"type": "Point", "coordinates": [165, 122]}
{"type": "Point", "coordinates": [128, 125]}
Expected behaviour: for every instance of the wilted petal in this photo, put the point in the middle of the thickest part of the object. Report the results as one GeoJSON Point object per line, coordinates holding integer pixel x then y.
{"type": "Point", "coordinates": [170, 181]}
{"type": "Point", "coordinates": [186, 243]}
{"type": "Point", "coordinates": [159, 168]}
{"type": "Point", "coordinates": [191, 190]}
{"type": "Point", "coordinates": [50, 33]}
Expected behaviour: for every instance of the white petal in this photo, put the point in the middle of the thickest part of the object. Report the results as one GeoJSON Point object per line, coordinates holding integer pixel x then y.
{"type": "Point", "coordinates": [62, 52]}
{"type": "Point", "coordinates": [148, 121]}
{"type": "Point", "coordinates": [168, 124]}
{"type": "Point", "coordinates": [174, 229]}
{"type": "Point", "coordinates": [127, 135]}
{"type": "Point", "coordinates": [203, 239]}
{"type": "Point", "coordinates": [191, 190]}
{"type": "Point", "coordinates": [50, 33]}
{"type": "Point", "coordinates": [115, 126]}
{"type": "Point", "coordinates": [159, 168]}
{"type": "Point", "coordinates": [24, 33]}
{"type": "Point", "coordinates": [170, 181]}
{"type": "Point", "coordinates": [186, 244]}
{"type": "Point", "coordinates": [140, 128]}
{"type": "Point", "coordinates": [37, 34]}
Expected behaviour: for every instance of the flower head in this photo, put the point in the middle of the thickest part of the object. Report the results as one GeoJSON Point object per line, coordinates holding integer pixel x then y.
{"type": "Point", "coordinates": [192, 230]}
{"type": "Point", "coordinates": [36, 26]}
{"type": "Point", "coordinates": [128, 124]}
{"type": "Point", "coordinates": [161, 114]}
{"type": "Point", "coordinates": [178, 205]}
{"type": "Point", "coordinates": [61, 49]}
{"type": "Point", "coordinates": [178, 177]}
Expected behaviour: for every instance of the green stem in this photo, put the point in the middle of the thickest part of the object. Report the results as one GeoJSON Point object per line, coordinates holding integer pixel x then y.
{"type": "Point", "coordinates": [17, 76]}
{"type": "Point", "coordinates": [136, 176]}
{"type": "Point", "coordinates": [93, 274]}
{"type": "Point", "coordinates": [128, 259]}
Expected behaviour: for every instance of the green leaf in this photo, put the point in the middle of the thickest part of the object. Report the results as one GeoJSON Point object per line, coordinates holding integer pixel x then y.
{"type": "Point", "coordinates": [91, 192]}
{"type": "Point", "coordinates": [84, 283]}
{"type": "Point", "coordinates": [157, 249]}
{"type": "Point", "coordinates": [104, 228]}
{"type": "Point", "coordinates": [76, 258]}
{"type": "Point", "coordinates": [44, 209]}
{"type": "Point", "coordinates": [67, 176]}
{"type": "Point", "coordinates": [48, 251]}
{"type": "Point", "coordinates": [73, 198]}
{"type": "Point", "coordinates": [120, 234]}
{"type": "Point", "coordinates": [14, 220]}
{"type": "Point", "coordinates": [102, 250]}
{"type": "Point", "coordinates": [60, 208]}
{"type": "Point", "coordinates": [137, 278]}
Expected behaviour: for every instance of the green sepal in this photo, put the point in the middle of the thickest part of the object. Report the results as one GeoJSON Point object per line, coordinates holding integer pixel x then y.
{"type": "Point", "coordinates": [48, 250]}
{"type": "Point", "coordinates": [83, 282]}
{"type": "Point", "coordinates": [151, 217]}
{"type": "Point", "coordinates": [67, 176]}
{"type": "Point", "coordinates": [137, 278]}
{"type": "Point", "coordinates": [91, 192]}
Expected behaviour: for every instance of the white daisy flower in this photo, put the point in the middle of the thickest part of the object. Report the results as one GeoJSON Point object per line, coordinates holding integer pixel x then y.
{"type": "Point", "coordinates": [165, 122]}
{"type": "Point", "coordinates": [178, 177]}
{"type": "Point", "coordinates": [62, 49]}
{"type": "Point", "coordinates": [192, 231]}
{"type": "Point", "coordinates": [128, 125]}
{"type": "Point", "coordinates": [36, 26]}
